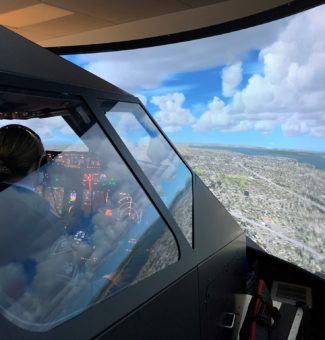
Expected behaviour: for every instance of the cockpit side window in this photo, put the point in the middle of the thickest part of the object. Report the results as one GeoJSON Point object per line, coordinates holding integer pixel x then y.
{"type": "Point", "coordinates": [160, 163]}
{"type": "Point", "coordinates": [79, 228]}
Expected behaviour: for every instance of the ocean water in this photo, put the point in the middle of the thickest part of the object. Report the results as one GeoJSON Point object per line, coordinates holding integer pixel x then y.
{"type": "Point", "coordinates": [316, 159]}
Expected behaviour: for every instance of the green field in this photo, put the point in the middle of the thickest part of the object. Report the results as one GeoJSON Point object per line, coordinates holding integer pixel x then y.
{"type": "Point", "coordinates": [239, 180]}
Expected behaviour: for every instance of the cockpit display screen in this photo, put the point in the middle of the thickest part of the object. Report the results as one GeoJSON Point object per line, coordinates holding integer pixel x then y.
{"type": "Point", "coordinates": [75, 179]}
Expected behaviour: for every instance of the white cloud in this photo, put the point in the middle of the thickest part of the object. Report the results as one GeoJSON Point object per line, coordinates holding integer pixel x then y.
{"type": "Point", "coordinates": [290, 92]}
{"type": "Point", "coordinates": [146, 68]}
{"type": "Point", "coordinates": [265, 126]}
{"type": "Point", "coordinates": [172, 116]}
{"type": "Point", "coordinates": [45, 128]}
{"type": "Point", "coordinates": [231, 78]}
{"type": "Point", "coordinates": [216, 116]}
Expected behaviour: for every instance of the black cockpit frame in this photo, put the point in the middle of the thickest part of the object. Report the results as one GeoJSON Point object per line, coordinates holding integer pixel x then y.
{"type": "Point", "coordinates": [135, 295]}
{"type": "Point", "coordinates": [178, 292]}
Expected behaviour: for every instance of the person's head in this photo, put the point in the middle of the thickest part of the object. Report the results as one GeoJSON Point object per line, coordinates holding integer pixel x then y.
{"type": "Point", "coordinates": [21, 151]}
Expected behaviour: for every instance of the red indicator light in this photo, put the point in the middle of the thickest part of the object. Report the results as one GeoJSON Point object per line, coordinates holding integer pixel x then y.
{"type": "Point", "coordinates": [108, 212]}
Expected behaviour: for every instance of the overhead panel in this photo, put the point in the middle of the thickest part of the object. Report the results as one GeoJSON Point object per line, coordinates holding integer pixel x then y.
{"type": "Point", "coordinates": [32, 15]}
{"type": "Point", "coordinates": [178, 21]}
{"type": "Point", "coordinates": [53, 23]}
{"type": "Point", "coordinates": [12, 5]}
{"type": "Point", "coordinates": [33, 36]}
{"type": "Point", "coordinates": [122, 11]}
{"type": "Point", "coordinates": [71, 24]}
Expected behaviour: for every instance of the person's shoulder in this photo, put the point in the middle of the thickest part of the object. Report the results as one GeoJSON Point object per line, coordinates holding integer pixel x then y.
{"type": "Point", "coordinates": [17, 194]}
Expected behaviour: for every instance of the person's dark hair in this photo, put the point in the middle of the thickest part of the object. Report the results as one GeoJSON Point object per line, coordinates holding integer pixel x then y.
{"type": "Point", "coordinates": [20, 149]}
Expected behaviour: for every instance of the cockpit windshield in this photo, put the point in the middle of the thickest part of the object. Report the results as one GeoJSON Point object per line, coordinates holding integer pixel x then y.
{"type": "Point", "coordinates": [85, 231]}
{"type": "Point", "coordinates": [161, 164]}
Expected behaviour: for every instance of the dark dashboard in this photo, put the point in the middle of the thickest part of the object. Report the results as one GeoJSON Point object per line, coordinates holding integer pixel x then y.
{"type": "Point", "coordinates": [75, 181]}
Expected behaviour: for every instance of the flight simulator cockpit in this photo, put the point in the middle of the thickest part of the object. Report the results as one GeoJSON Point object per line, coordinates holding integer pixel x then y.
{"type": "Point", "coordinates": [117, 238]}
{"type": "Point", "coordinates": [112, 235]}
{"type": "Point", "coordinates": [109, 226]}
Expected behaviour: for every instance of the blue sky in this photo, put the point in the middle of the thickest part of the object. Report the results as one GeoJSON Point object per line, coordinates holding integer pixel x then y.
{"type": "Point", "coordinates": [253, 87]}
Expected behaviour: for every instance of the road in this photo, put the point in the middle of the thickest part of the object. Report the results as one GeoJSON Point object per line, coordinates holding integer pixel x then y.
{"type": "Point", "coordinates": [238, 214]}
{"type": "Point", "coordinates": [302, 198]}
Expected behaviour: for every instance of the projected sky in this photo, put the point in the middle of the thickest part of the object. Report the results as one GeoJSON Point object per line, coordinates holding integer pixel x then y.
{"type": "Point", "coordinates": [261, 86]}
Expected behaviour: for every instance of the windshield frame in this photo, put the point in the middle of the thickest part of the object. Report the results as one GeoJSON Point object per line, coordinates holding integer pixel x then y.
{"type": "Point", "coordinates": [128, 299]}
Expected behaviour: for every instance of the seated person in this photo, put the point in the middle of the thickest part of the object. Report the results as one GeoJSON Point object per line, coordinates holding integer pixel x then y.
{"type": "Point", "coordinates": [38, 260]}
{"type": "Point", "coordinates": [28, 222]}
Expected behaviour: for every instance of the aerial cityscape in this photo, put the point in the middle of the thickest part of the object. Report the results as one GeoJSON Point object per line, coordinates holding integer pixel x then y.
{"type": "Point", "coordinates": [279, 202]}
{"type": "Point", "coordinates": [261, 90]}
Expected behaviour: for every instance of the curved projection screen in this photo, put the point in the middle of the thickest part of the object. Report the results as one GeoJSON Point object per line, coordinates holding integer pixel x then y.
{"type": "Point", "coordinates": [247, 111]}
